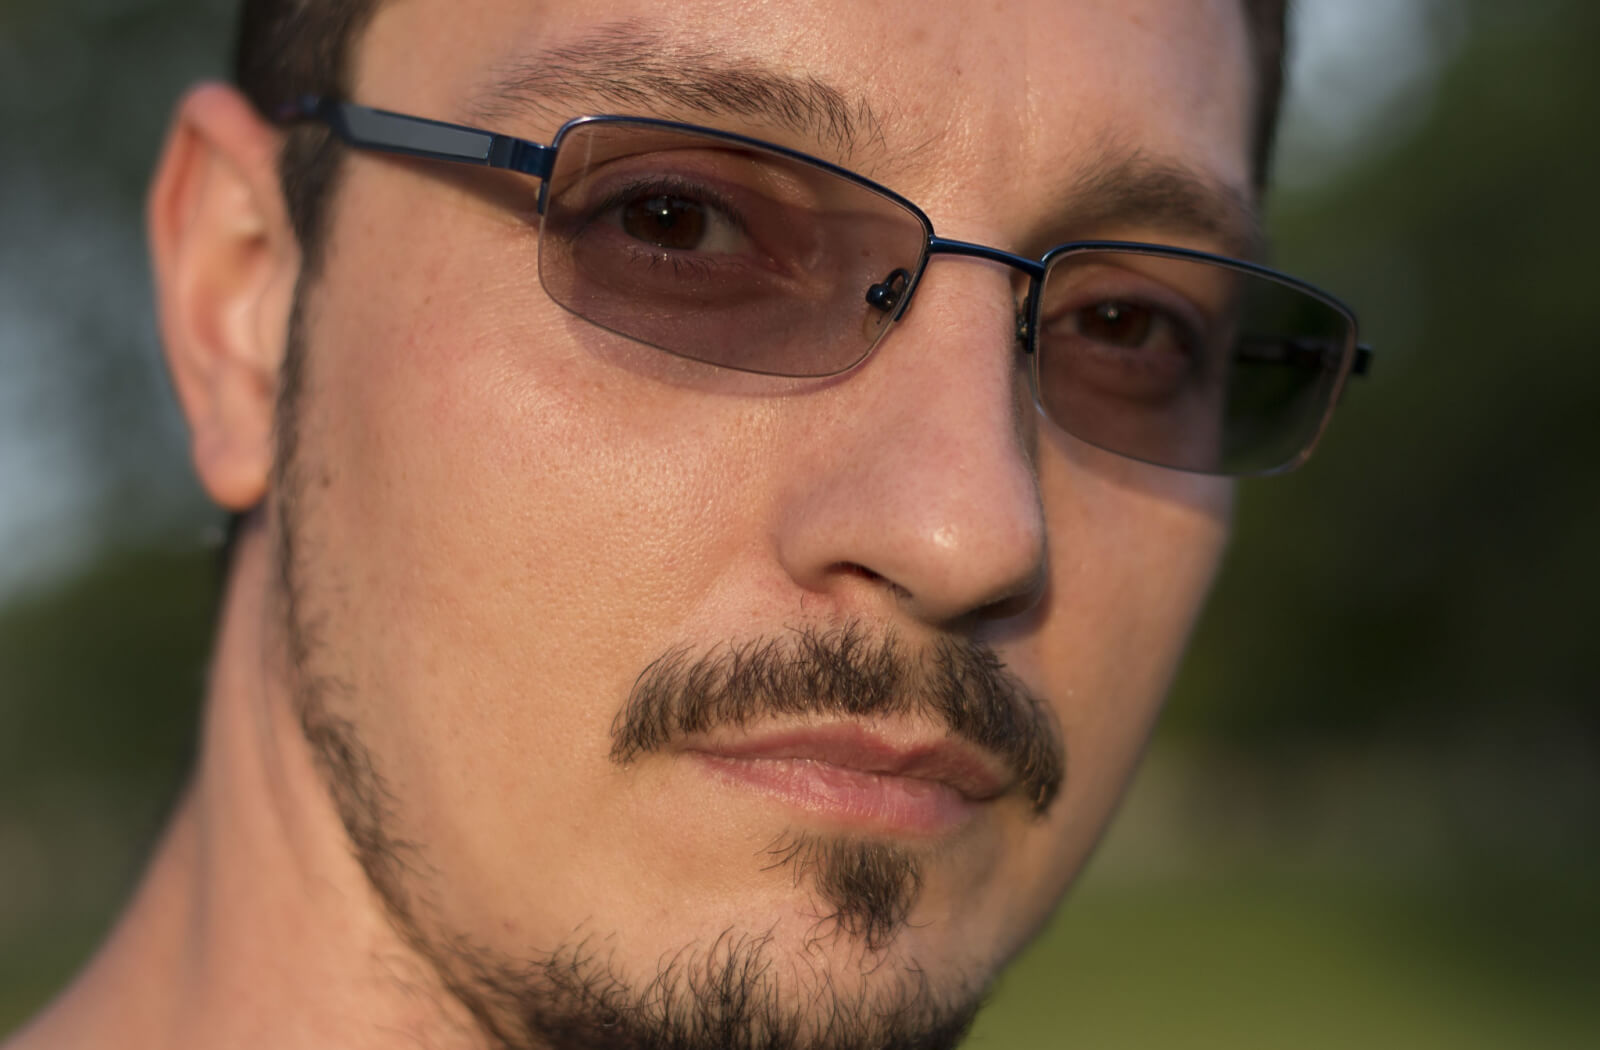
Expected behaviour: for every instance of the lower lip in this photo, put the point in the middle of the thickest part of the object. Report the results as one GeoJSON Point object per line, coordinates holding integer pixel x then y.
{"type": "Point", "coordinates": [874, 801]}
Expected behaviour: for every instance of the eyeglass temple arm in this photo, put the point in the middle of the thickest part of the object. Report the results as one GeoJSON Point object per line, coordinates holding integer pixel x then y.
{"type": "Point", "coordinates": [1307, 352]}
{"type": "Point", "coordinates": [379, 129]}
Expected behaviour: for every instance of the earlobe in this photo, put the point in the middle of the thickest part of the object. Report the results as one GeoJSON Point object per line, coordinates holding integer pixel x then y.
{"type": "Point", "coordinates": [225, 261]}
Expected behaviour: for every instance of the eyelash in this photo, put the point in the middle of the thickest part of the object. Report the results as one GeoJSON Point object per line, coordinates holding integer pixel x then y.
{"type": "Point", "coordinates": [683, 265]}
{"type": "Point", "coordinates": [667, 186]}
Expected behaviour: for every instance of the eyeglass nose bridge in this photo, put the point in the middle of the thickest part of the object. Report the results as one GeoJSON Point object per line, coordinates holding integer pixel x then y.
{"type": "Point", "coordinates": [894, 293]}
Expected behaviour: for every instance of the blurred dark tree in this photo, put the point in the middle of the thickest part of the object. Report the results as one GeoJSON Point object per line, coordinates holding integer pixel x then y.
{"type": "Point", "coordinates": [1435, 564]}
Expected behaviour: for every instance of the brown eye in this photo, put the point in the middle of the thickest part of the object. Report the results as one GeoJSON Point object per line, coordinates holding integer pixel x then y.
{"type": "Point", "coordinates": [1118, 324]}
{"type": "Point", "coordinates": [666, 222]}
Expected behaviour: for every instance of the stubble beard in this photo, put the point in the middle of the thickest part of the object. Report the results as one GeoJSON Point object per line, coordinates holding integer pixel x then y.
{"type": "Point", "coordinates": [736, 990]}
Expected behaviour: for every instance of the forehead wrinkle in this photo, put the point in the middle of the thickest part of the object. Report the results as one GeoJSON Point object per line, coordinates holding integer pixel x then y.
{"type": "Point", "coordinates": [1134, 186]}
{"type": "Point", "coordinates": [641, 71]}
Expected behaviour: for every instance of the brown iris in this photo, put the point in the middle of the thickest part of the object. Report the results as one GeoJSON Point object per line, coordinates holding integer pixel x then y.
{"type": "Point", "coordinates": [666, 222]}
{"type": "Point", "coordinates": [1118, 324]}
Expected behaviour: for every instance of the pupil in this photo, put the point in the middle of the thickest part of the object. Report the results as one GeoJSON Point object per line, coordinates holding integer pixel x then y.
{"type": "Point", "coordinates": [1116, 323]}
{"type": "Point", "coordinates": [666, 222]}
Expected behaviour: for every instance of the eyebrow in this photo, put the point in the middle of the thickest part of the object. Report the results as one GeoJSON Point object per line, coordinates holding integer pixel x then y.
{"type": "Point", "coordinates": [641, 71]}
{"type": "Point", "coordinates": [1135, 188]}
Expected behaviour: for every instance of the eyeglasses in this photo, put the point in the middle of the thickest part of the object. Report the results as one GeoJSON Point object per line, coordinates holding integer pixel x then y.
{"type": "Point", "coordinates": [749, 256]}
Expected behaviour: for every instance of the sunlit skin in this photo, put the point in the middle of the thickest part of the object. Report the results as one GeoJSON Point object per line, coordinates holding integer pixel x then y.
{"type": "Point", "coordinates": [504, 514]}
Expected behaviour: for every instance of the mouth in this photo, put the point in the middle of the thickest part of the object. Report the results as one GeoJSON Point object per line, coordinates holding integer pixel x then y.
{"type": "Point", "coordinates": [858, 778]}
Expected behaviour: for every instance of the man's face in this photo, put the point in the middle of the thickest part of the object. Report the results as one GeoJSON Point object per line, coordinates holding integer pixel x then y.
{"type": "Point", "coordinates": [499, 516]}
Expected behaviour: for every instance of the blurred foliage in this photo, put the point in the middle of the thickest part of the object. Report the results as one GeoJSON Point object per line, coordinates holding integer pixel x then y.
{"type": "Point", "coordinates": [1311, 963]}
{"type": "Point", "coordinates": [104, 673]}
{"type": "Point", "coordinates": [1371, 815]}
{"type": "Point", "coordinates": [100, 682]}
{"type": "Point", "coordinates": [1435, 564]}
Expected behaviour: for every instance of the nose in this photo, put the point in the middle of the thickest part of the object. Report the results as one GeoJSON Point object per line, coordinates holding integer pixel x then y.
{"type": "Point", "coordinates": [921, 491]}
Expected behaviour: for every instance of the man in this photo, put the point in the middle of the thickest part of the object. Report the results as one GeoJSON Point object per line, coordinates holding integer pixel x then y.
{"type": "Point", "coordinates": [681, 599]}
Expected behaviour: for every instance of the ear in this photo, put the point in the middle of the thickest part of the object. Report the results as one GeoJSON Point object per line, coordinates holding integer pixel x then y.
{"type": "Point", "coordinates": [226, 262]}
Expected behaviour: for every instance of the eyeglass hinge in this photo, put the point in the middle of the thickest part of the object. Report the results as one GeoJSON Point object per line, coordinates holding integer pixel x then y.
{"type": "Point", "coordinates": [520, 155]}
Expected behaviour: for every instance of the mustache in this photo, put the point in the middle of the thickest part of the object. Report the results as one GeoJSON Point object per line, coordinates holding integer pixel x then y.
{"type": "Point", "coordinates": [845, 671]}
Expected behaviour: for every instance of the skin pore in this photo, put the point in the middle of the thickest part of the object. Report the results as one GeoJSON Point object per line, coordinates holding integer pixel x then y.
{"type": "Point", "coordinates": [437, 798]}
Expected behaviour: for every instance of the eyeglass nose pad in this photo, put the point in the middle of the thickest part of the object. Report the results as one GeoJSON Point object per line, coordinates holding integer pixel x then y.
{"type": "Point", "coordinates": [887, 293]}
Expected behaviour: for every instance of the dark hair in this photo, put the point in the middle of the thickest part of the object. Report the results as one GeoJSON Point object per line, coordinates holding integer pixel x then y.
{"type": "Point", "coordinates": [1265, 20]}
{"type": "Point", "coordinates": [286, 49]}
{"type": "Point", "coordinates": [289, 48]}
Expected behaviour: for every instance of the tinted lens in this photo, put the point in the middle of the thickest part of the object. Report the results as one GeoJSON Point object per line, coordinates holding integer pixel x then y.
{"type": "Point", "coordinates": [718, 250]}
{"type": "Point", "coordinates": [1185, 363]}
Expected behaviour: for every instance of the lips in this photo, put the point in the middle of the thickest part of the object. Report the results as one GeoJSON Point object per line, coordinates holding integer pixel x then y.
{"type": "Point", "coordinates": [858, 777]}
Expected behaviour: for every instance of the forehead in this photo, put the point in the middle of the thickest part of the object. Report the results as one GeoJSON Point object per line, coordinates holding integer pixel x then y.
{"type": "Point", "coordinates": [948, 97]}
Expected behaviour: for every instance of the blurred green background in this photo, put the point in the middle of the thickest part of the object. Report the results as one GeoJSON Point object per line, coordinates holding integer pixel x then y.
{"type": "Point", "coordinates": [1370, 817]}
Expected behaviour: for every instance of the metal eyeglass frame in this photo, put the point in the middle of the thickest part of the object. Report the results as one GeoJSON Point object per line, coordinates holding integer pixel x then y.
{"type": "Point", "coordinates": [366, 128]}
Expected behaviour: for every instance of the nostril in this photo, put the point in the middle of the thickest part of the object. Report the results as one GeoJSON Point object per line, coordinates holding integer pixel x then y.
{"type": "Point", "coordinates": [861, 572]}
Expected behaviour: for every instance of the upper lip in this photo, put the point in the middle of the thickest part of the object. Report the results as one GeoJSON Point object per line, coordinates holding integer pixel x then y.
{"type": "Point", "coordinates": [974, 773]}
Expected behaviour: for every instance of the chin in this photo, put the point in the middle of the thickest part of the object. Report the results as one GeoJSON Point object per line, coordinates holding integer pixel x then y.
{"type": "Point", "coordinates": [823, 942]}
{"type": "Point", "coordinates": [800, 981]}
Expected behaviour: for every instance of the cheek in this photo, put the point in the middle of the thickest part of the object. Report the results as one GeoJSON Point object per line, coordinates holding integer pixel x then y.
{"type": "Point", "coordinates": [466, 406]}
{"type": "Point", "coordinates": [1133, 553]}
{"type": "Point", "coordinates": [504, 530]}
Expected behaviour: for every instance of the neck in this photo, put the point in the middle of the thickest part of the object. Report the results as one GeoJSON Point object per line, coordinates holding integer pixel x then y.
{"type": "Point", "coordinates": [253, 926]}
